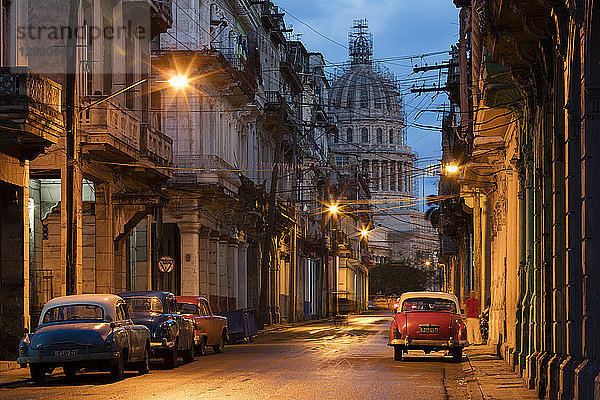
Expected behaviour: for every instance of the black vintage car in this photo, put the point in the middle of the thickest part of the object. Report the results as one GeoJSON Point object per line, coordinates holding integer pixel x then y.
{"type": "Point", "coordinates": [171, 333]}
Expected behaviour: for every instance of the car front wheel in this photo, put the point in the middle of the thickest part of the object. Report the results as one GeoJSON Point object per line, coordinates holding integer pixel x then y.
{"type": "Point", "coordinates": [188, 355]}
{"type": "Point", "coordinates": [398, 353]}
{"type": "Point", "coordinates": [37, 373]}
{"type": "Point", "coordinates": [144, 367]}
{"type": "Point", "coordinates": [218, 348]}
{"type": "Point", "coordinates": [170, 357]}
{"type": "Point", "coordinates": [457, 354]}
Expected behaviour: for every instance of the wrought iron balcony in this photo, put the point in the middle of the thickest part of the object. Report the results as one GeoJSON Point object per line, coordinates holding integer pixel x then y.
{"type": "Point", "coordinates": [158, 13]}
{"type": "Point", "coordinates": [30, 112]}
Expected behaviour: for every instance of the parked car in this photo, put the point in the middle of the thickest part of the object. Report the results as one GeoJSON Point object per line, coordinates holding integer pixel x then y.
{"type": "Point", "coordinates": [209, 329]}
{"type": "Point", "coordinates": [428, 321]}
{"type": "Point", "coordinates": [91, 331]}
{"type": "Point", "coordinates": [171, 333]}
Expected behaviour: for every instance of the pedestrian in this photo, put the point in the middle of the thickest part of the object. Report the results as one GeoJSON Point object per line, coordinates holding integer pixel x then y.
{"type": "Point", "coordinates": [472, 318]}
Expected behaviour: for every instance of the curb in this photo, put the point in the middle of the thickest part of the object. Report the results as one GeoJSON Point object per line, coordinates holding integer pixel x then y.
{"type": "Point", "coordinates": [6, 366]}
{"type": "Point", "coordinates": [472, 382]}
{"type": "Point", "coordinates": [281, 327]}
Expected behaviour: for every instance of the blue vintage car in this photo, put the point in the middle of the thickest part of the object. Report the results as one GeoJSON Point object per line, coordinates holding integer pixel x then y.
{"type": "Point", "coordinates": [171, 333]}
{"type": "Point", "coordinates": [90, 331]}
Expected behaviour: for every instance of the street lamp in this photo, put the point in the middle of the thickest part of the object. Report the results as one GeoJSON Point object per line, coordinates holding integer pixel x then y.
{"type": "Point", "coordinates": [427, 263]}
{"type": "Point", "coordinates": [333, 209]}
{"type": "Point", "coordinates": [364, 233]}
{"type": "Point", "coordinates": [451, 169]}
{"type": "Point", "coordinates": [179, 81]}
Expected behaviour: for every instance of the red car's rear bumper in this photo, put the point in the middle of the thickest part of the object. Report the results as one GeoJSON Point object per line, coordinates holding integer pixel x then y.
{"type": "Point", "coordinates": [438, 344]}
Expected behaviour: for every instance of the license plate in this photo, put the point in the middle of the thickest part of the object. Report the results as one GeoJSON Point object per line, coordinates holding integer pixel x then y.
{"type": "Point", "coordinates": [430, 329]}
{"type": "Point", "coordinates": [65, 353]}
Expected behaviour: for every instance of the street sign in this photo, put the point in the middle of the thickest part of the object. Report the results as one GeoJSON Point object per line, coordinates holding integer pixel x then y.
{"type": "Point", "coordinates": [166, 264]}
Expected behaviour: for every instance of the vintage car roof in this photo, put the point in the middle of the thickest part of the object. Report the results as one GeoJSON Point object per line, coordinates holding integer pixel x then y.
{"type": "Point", "coordinates": [190, 299]}
{"type": "Point", "coordinates": [146, 293]}
{"type": "Point", "coordinates": [106, 301]}
{"type": "Point", "coordinates": [430, 295]}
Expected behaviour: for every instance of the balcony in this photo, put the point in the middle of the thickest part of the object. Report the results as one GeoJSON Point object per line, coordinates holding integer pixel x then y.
{"type": "Point", "coordinates": [30, 112]}
{"type": "Point", "coordinates": [208, 172]}
{"type": "Point", "coordinates": [157, 12]}
{"type": "Point", "coordinates": [157, 151]}
{"type": "Point", "coordinates": [235, 77]}
{"type": "Point", "coordinates": [110, 132]}
{"type": "Point", "coordinates": [273, 21]}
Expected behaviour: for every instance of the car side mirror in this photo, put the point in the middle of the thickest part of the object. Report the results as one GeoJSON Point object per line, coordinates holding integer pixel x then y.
{"type": "Point", "coordinates": [113, 325]}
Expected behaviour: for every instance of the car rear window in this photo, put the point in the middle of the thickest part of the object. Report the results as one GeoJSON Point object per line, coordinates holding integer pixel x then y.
{"type": "Point", "coordinates": [428, 304]}
{"type": "Point", "coordinates": [74, 312]}
{"type": "Point", "coordinates": [144, 305]}
{"type": "Point", "coordinates": [188, 308]}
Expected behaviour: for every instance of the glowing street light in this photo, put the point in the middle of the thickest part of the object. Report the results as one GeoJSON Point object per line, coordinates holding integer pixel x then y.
{"type": "Point", "coordinates": [364, 233]}
{"type": "Point", "coordinates": [427, 263]}
{"type": "Point", "coordinates": [451, 169]}
{"type": "Point", "coordinates": [179, 81]}
{"type": "Point", "coordinates": [334, 209]}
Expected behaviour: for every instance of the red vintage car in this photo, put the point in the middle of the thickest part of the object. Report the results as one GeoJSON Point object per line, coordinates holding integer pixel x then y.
{"type": "Point", "coordinates": [428, 321]}
{"type": "Point", "coordinates": [210, 330]}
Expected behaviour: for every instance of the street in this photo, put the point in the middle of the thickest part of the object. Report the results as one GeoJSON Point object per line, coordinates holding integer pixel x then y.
{"type": "Point", "coordinates": [315, 361]}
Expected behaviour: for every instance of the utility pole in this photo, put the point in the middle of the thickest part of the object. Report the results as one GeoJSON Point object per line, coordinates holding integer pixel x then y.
{"type": "Point", "coordinates": [71, 143]}
{"type": "Point", "coordinates": [265, 265]}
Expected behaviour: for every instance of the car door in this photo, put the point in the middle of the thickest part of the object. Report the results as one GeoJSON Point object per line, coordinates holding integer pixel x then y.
{"type": "Point", "coordinates": [210, 323]}
{"type": "Point", "coordinates": [136, 333]}
{"type": "Point", "coordinates": [184, 334]}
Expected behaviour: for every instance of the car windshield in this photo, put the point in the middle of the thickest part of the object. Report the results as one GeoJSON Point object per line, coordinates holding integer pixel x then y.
{"type": "Point", "coordinates": [144, 305]}
{"type": "Point", "coordinates": [428, 304]}
{"type": "Point", "coordinates": [188, 308]}
{"type": "Point", "coordinates": [74, 312]}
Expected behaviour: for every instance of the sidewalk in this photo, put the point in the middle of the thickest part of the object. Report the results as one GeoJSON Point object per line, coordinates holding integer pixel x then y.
{"type": "Point", "coordinates": [495, 378]}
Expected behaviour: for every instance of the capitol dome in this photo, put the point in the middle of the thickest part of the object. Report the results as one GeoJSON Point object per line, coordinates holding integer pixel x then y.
{"type": "Point", "coordinates": [364, 93]}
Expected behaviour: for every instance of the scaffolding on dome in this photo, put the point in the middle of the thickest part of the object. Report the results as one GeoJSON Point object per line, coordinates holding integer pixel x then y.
{"type": "Point", "coordinates": [360, 42]}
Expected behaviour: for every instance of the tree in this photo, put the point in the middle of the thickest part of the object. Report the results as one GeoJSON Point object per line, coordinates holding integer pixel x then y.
{"type": "Point", "coordinates": [395, 279]}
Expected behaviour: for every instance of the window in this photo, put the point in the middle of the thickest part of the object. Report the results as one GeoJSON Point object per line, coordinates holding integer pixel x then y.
{"type": "Point", "coordinates": [365, 135]}
{"type": "Point", "coordinates": [74, 312]}
{"type": "Point", "coordinates": [207, 309]}
{"type": "Point", "coordinates": [391, 136]}
{"type": "Point", "coordinates": [379, 135]}
{"type": "Point", "coordinates": [188, 308]}
{"type": "Point", "coordinates": [349, 135]}
{"type": "Point", "coordinates": [428, 304]}
{"type": "Point", "coordinates": [143, 305]}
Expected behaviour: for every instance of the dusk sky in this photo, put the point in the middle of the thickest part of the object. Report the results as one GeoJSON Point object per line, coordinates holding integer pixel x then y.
{"type": "Point", "coordinates": [401, 28]}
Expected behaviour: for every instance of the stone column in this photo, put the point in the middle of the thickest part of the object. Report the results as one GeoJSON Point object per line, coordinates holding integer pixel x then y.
{"type": "Point", "coordinates": [587, 372]}
{"type": "Point", "coordinates": [232, 274]}
{"type": "Point", "coordinates": [203, 264]}
{"type": "Point", "coordinates": [213, 270]}
{"type": "Point", "coordinates": [393, 177]}
{"type": "Point", "coordinates": [573, 276]}
{"type": "Point", "coordinates": [190, 257]}
{"type": "Point", "coordinates": [242, 276]}
{"type": "Point", "coordinates": [104, 239]}
{"type": "Point", "coordinates": [222, 268]}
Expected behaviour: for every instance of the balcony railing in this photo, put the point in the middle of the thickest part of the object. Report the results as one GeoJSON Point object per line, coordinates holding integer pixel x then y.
{"type": "Point", "coordinates": [205, 169]}
{"type": "Point", "coordinates": [30, 106]}
{"type": "Point", "coordinates": [110, 131]}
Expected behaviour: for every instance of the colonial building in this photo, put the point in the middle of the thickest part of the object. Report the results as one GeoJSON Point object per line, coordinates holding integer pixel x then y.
{"type": "Point", "coordinates": [371, 125]}
{"type": "Point", "coordinates": [524, 138]}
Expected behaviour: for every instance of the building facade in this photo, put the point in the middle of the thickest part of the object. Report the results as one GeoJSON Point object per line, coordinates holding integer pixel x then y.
{"type": "Point", "coordinates": [523, 133]}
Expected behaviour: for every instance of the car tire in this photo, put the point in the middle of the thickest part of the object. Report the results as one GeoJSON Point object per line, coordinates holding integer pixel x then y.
{"type": "Point", "coordinates": [170, 358]}
{"type": "Point", "coordinates": [201, 348]}
{"type": "Point", "coordinates": [38, 374]}
{"type": "Point", "coordinates": [218, 348]}
{"type": "Point", "coordinates": [457, 354]}
{"type": "Point", "coordinates": [188, 355]}
{"type": "Point", "coordinates": [145, 364]}
{"type": "Point", "coordinates": [117, 371]}
{"type": "Point", "coordinates": [398, 353]}
{"type": "Point", "coordinates": [70, 372]}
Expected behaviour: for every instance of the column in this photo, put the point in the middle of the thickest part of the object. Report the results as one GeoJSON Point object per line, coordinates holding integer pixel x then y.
{"type": "Point", "coordinates": [104, 239]}
{"type": "Point", "coordinates": [190, 258]}
{"type": "Point", "coordinates": [203, 264]}
{"type": "Point", "coordinates": [400, 176]}
{"type": "Point", "coordinates": [242, 276]}
{"type": "Point", "coordinates": [573, 276]}
{"type": "Point", "coordinates": [213, 270]}
{"type": "Point", "coordinates": [393, 177]}
{"type": "Point", "coordinates": [374, 175]}
{"type": "Point", "coordinates": [222, 271]}
{"type": "Point", "coordinates": [384, 176]}
{"type": "Point", "coordinates": [232, 272]}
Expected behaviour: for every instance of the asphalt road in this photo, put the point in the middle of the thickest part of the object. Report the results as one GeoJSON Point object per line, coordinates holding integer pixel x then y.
{"type": "Point", "coordinates": [316, 361]}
